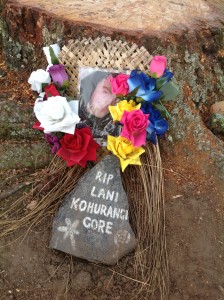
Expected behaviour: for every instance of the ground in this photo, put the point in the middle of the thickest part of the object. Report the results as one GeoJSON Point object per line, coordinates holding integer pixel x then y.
{"type": "Point", "coordinates": [194, 226]}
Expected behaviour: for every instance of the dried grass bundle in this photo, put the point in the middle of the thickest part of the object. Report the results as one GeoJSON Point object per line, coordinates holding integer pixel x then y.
{"type": "Point", "coordinates": [145, 189]}
{"type": "Point", "coordinates": [48, 192]}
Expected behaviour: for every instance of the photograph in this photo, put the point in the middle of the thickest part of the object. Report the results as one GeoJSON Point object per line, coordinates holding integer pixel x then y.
{"type": "Point", "coordinates": [95, 96]}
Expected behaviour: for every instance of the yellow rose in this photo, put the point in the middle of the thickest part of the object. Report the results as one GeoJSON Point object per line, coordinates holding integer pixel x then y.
{"type": "Point", "coordinates": [124, 150]}
{"type": "Point", "coordinates": [118, 110]}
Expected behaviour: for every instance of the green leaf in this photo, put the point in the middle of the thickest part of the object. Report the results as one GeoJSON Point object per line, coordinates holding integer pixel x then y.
{"type": "Point", "coordinates": [59, 135]}
{"type": "Point", "coordinates": [62, 89]}
{"type": "Point", "coordinates": [65, 84]}
{"type": "Point", "coordinates": [68, 98]}
{"type": "Point", "coordinates": [170, 91]}
{"type": "Point", "coordinates": [44, 85]}
{"type": "Point", "coordinates": [90, 164]}
{"type": "Point", "coordinates": [158, 105]}
{"type": "Point", "coordinates": [133, 93]}
{"type": "Point", "coordinates": [139, 100]}
{"type": "Point", "coordinates": [154, 75]}
{"type": "Point", "coordinates": [49, 94]}
{"type": "Point", "coordinates": [54, 59]}
{"type": "Point", "coordinates": [160, 82]}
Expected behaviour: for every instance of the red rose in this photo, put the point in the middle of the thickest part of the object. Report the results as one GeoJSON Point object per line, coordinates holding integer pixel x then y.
{"type": "Point", "coordinates": [78, 148]}
{"type": "Point", "coordinates": [51, 90]}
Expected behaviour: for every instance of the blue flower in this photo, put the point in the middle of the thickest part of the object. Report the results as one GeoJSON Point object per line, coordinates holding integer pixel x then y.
{"type": "Point", "coordinates": [157, 126]}
{"type": "Point", "coordinates": [145, 84]}
{"type": "Point", "coordinates": [168, 75]}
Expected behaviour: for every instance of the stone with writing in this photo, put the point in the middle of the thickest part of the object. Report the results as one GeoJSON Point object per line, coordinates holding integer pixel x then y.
{"type": "Point", "coordinates": [93, 221]}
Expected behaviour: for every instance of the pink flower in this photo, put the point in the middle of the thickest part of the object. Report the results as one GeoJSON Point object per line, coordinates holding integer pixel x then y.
{"type": "Point", "coordinates": [157, 66]}
{"type": "Point", "coordinates": [134, 129]}
{"type": "Point", "coordinates": [120, 85]}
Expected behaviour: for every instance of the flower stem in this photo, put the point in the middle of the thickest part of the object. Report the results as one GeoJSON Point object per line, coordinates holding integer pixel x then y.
{"type": "Point", "coordinates": [168, 114]}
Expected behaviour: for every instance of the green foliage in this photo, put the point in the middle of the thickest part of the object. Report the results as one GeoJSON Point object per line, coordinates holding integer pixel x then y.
{"type": "Point", "coordinates": [68, 98]}
{"type": "Point", "coordinates": [158, 105]}
{"type": "Point", "coordinates": [62, 89]}
{"type": "Point", "coordinates": [44, 85]}
{"type": "Point", "coordinates": [54, 59]}
{"type": "Point", "coordinates": [59, 135]}
{"type": "Point", "coordinates": [160, 82]}
{"type": "Point", "coordinates": [154, 75]}
{"type": "Point", "coordinates": [132, 94]}
{"type": "Point", "coordinates": [170, 91]}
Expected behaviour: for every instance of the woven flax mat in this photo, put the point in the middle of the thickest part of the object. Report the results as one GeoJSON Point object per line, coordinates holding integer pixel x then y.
{"type": "Point", "coordinates": [102, 53]}
{"type": "Point", "coordinates": [143, 184]}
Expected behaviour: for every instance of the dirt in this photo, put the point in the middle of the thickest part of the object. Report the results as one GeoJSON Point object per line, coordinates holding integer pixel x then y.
{"type": "Point", "coordinates": [195, 236]}
{"type": "Point", "coordinates": [29, 269]}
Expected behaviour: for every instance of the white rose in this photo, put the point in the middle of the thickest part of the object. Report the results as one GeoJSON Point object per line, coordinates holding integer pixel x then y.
{"type": "Point", "coordinates": [37, 78]}
{"type": "Point", "coordinates": [56, 50]}
{"type": "Point", "coordinates": [56, 114]}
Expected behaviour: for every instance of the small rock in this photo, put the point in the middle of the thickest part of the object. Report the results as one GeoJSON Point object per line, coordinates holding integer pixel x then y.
{"type": "Point", "coordinates": [217, 123]}
{"type": "Point", "coordinates": [32, 205]}
{"type": "Point", "coordinates": [217, 108]}
{"type": "Point", "coordinates": [82, 281]}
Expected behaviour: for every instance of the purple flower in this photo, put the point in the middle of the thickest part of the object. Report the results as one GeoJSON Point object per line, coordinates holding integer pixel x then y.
{"type": "Point", "coordinates": [53, 141]}
{"type": "Point", "coordinates": [58, 74]}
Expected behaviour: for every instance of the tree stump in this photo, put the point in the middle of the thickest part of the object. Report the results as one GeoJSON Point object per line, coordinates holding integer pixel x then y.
{"type": "Point", "coordinates": [189, 33]}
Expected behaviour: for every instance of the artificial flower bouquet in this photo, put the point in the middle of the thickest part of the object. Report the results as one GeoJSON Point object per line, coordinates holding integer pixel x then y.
{"type": "Point", "coordinates": [124, 108]}
{"type": "Point", "coordinates": [57, 114]}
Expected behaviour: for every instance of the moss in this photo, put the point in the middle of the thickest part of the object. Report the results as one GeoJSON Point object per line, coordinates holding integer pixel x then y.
{"type": "Point", "coordinates": [54, 34]}
{"type": "Point", "coordinates": [217, 123]}
{"type": "Point", "coordinates": [17, 122]}
{"type": "Point", "coordinates": [24, 155]}
{"type": "Point", "coordinates": [17, 55]}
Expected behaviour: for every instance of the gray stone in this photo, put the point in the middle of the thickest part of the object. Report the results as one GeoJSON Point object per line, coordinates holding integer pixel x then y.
{"type": "Point", "coordinates": [93, 223]}
{"type": "Point", "coordinates": [82, 281]}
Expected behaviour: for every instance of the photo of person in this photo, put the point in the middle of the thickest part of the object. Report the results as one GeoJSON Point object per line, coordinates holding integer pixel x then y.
{"type": "Point", "coordinates": [95, 97]}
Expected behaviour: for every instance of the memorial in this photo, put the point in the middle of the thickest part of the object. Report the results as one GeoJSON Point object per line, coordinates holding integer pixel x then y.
{"type": "Point", "coordinates": [93, 221]}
